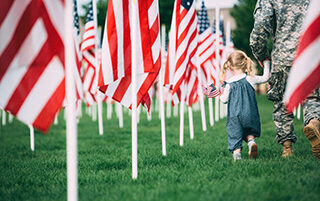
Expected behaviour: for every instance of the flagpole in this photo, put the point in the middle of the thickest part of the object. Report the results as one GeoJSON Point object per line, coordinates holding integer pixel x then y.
{"type": "Point", "coordinates": [217, 60]}
{"type": "Point", "coordinates": [163, 128]}
{"type": "Point", "coordinates": [71, 127]}
{"type": "Point", "coordinates": [191, 130]}
{"type": "Point", "coordinates": [203, 113]}
{"type": "Point", "coordinates": [99, 100]}
{"type": "Point", "coordinates": [134, 133]}
{"type": "Point", "coordinates": [31, 137]}
{"type": "Point", "coordinates": [120, 114]}
{"type": "Point", "coordinates": [182, 112]}
{"type": "Point", "coordinates": [3, 117]}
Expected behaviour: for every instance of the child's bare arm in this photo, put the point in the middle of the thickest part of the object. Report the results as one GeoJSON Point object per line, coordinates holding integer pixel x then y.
{"type": "Point", "coordinates": [266, 74]}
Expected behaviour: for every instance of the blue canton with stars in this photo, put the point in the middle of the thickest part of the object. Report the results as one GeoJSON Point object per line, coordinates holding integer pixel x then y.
{"type": "Point", "coordinates": [186, 4]}
{"type": "Point", "coordinates": [76, 16]}
{"type": "Point", "coordinates": [203, 19]}
{"type": "Point", "coordinates": [90, 13]}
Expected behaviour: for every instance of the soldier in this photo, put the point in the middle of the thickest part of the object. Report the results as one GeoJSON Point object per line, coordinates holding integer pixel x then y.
{"type": "Point", "coordinates": [282, 20]}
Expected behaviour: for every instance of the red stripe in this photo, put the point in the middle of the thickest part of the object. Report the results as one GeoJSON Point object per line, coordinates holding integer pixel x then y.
{"type": "Point", "coordinates": [27, 21]}
{"type": "Point", "coordinates": [146, 43]}
{"type": "Point", "coordinates": [126, 40]}
{"type": "Point", "coordinates": [205, 40]}
{"type": "Point", "coordinates": [89, 38]}
{"type": "Point", "coordinates": [154, 31]}
{"type": "Point", "coordinates": [5, 6]}
{"type": "Point", "coordinates": [53, 46]}
{"type": "Point", "coordinates": [304, 89]}
{"type": "Point", "coordinates": [29, 80]}
{"type": "Point", "coordinates": [87, 48]}
{"type": "Point", "coordinates": [311, 33]}
{"type": "Point", "coordinates": [205, 50]}
{"type": "Point", "coordinates": [186, 30]}
{"type": "Point", "coordinates": [48, 112]}
{"type": "Point", "coordinates": [88, 29]}
{"type": "Point", "coordinates": [112, 39]}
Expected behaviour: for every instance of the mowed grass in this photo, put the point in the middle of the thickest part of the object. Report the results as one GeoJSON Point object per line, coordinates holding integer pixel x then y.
{"type": "Point", "coordinates": [203, 169]}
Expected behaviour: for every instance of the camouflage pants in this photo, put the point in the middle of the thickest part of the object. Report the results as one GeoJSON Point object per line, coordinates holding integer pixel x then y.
{"type": "Point", "coordinates": [284, 121]}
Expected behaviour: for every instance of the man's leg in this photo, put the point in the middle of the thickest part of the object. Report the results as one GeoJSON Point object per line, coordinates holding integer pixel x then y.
{"type": "Point", "coordinates": [282, 120]}
{"type": "Point", "coordinates": [311, 109]}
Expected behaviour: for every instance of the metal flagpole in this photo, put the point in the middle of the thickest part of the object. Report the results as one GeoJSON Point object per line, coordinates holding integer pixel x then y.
{"type": "Point", "coordinates": [163, 128]}
{"type": "Point", "coordinates": [217, 60]}
{"type": "Point", "coordinates": [31, 137]}
{"type": "Point", "coordinates": [134, 133]}
{"type": "Point", "coordinates": [72, 168]}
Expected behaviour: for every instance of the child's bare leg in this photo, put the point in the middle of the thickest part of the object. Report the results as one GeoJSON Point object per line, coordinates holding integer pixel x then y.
{"type": "Point", "coordinates": [253, 148]}
{"type": "Point", "coordinates": [250, 137]}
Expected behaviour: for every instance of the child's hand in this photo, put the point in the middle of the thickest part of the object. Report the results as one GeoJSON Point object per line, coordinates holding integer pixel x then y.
{"type": "Point", "coordinates": [205, 89]}
{"type": "Point", "coordinates": [266, 64]}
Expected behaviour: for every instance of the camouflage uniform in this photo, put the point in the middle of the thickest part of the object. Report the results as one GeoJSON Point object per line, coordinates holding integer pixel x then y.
{"type": "Point", "coordinates": [282, 20]}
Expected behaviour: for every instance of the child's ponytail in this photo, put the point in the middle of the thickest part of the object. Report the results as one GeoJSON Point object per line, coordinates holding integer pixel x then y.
{"type": "Point", "coordinates": [224, 69]}
{"type": "Point", "coordinates": [249, 64]}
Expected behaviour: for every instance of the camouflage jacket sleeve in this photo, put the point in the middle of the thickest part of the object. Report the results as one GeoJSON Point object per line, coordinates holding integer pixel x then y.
{"type": "Point", "coordinates": [262, 29]}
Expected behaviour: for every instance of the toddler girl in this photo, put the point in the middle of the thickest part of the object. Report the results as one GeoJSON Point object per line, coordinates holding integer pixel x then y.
{"type": "Point", "coordinates": [243, 121]}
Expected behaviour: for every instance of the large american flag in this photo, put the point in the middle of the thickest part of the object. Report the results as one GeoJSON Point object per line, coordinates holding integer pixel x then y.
{"type": "Point", "coordinates": [77, 53]}
{"type": "Point", "coordinates": [304, 75]}
{"type": "Point", "coordinates": [32, 73]}
{"type": "Point", "coordinates": [88, 48]}
{"type": "Point", "coordinates": [116, 51]}
{"type": "Point", "coordinates": [183, 42]}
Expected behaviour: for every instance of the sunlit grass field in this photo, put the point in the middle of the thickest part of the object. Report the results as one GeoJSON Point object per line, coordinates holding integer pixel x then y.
{"type": "Point", "coordinates": [203, 169]}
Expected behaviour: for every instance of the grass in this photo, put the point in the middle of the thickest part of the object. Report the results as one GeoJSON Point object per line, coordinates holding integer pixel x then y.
{"type": "Point", "coordinates": [202, 169]}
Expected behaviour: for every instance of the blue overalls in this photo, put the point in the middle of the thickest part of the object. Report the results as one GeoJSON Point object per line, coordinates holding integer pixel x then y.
{"type": "Point", "coordinates": [243, 116]}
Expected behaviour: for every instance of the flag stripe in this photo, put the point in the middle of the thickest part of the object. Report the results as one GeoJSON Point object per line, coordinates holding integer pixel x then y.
{"type": "Point", "coordinates": [310, 35]}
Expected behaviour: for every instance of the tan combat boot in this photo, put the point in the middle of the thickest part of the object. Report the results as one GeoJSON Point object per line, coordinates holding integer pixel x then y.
{"type": "Point", "coordinates": [287, 149]}
{"type": "Point", "coordinates": [311, 131]}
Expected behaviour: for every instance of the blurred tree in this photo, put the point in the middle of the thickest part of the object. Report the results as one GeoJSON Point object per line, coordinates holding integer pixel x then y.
{"type": "Point", "coordinates": [166, 10]}
{"type": "Point", "coordinates": [242, 12]}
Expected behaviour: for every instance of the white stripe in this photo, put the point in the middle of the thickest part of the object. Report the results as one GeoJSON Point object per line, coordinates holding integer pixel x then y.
{"type": "Point", "coordinates": [182, 47]}
{"type": "Point", "coordinates": [156, 49]}
{"type": "Point", "coordinates": [153, 13]}
{"type": "Point", "coordinates": [88, 34]}
{"type": "Point", "coordinates": [185, 21]}
{"type": "Point", "coordinates": [106, 59]}
{"type": "Point", "coordinates": [312, 13]}
{"type": "Point", "coordinates": [138, 41]}
{"type": "Point", "coordinates": [25, 56]}
{"type": "Point", "coordinates": [56, 12]}
{"type": "Point", "coordinates": [89, 99]}
{"type": "Point", "coordinates": [42, 91]}
{"type": "Point", "coordinates": [10, 23]}
{"type": "Point", "coordinates": [90, 58]}
{"type": "Point", "coordinates": [87, 79]}
{"type": "Point", "coordinates": [302, 67]}
{"type": "Point", "coordinates": [118, 14]}
{"type": "Point", "coordinates": [172, 47]}
{"type": "Point", "coordinates": [87, 43]}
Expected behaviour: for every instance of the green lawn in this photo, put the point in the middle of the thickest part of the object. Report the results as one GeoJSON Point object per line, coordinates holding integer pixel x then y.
{"type": "Point", "coordinates": [203, 169]}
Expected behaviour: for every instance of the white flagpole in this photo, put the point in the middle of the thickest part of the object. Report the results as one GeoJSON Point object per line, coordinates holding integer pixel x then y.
{"type": "Point", "coordinates": [100, 116]}
{"type": "Point", "coordinates": [31, 137]}
{"type": "Point", "coordinates": [10, 118]}
{"type": "Point", "coordinates": [169, 106]}
{"type": "Point", "coordinates": [299, 111]}
{"type": "Point", "coordinates": [134, 132]}
{"type": "Point", "coordinates": [71, 127]}
{"type": "Point", "coordinates": [191, 130]}
{"type": "Point", "coordinates": [163, 128]}
{"type": "Point", "coordinates": [149, 116]}
{"type": "Point", "coordinates": [120, 114]}
{"type": "Point", "coordinates": [217, 60]}
{"type": "Point", "coordinates": [56, 119]}
{"type": "Point", "coordinates": [3, 118]}
{"type": "Point", "coordinates": [203, 113]}
{"type": "Point", "coordinates": [182, 87]}
{"type": "Point", "coordinates": [175, 111]}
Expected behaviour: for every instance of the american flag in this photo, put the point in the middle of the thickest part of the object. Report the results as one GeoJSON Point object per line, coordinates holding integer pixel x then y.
{"type": "Point", "coordinates": [192, 83]}
{"type": "Point", "coordinates": [183, 42]}
{"type": "Point", "coordinates": [206, 38]}
{"type": "Point", "coordinates": [304, 74]}
{"type": "Point", "coordinates": [32, 73]}
{"type": "Point", "coordinates": [77, 54]}
{"type": "Point", "coordinates": [88, 49]}
{"type": "Point", "coordinates": [211, 91]}
{"type": "Point", "coordinates": [116, 51]}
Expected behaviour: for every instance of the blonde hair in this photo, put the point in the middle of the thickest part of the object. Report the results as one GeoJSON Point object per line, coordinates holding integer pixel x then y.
{"type": "Point", "coordinates": [237, 60]}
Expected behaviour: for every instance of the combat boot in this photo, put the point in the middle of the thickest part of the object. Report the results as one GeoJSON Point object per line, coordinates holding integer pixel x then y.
{"type": "Point", "coordinates": [311, 131]}
{"type": "Point", "coordinates": [287, 149]}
